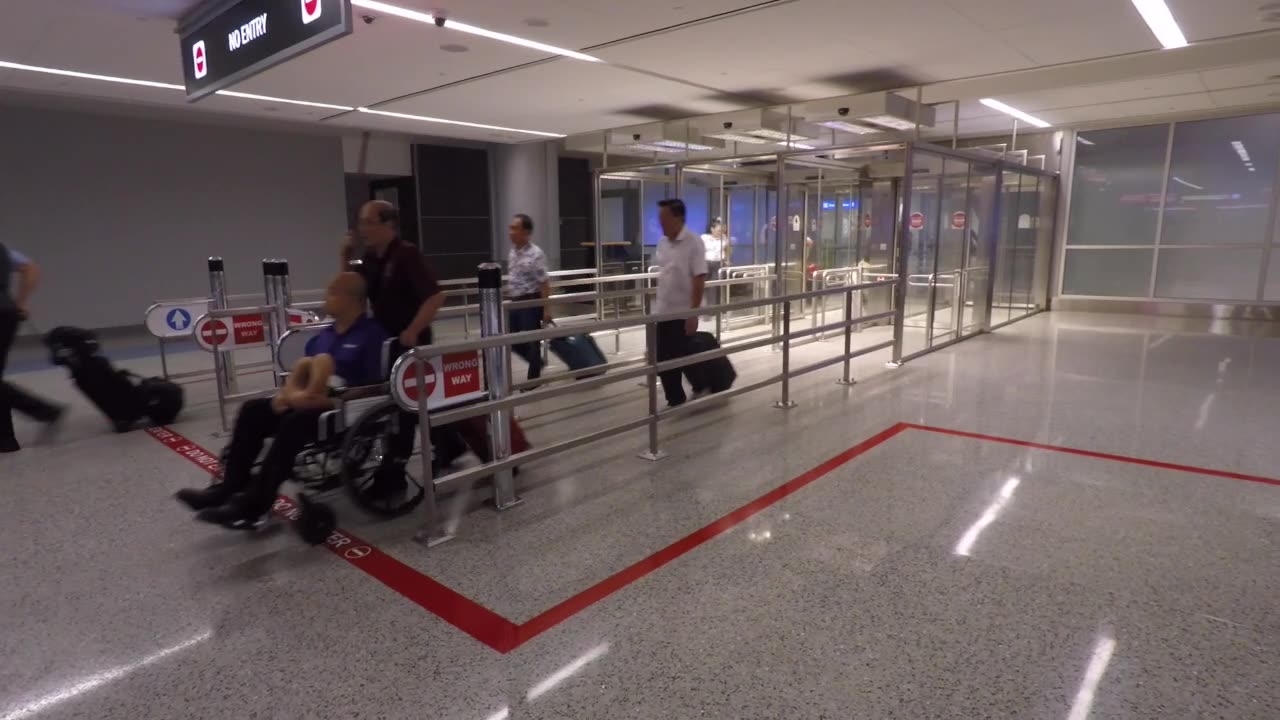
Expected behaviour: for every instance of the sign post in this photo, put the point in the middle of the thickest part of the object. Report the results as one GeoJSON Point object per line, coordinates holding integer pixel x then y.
{"type": "Point", "coordinates": [226, 41]}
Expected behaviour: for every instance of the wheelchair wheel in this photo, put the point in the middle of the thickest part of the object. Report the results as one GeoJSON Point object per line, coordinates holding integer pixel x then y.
{"type": "Point", "coordinates": [373, 470]}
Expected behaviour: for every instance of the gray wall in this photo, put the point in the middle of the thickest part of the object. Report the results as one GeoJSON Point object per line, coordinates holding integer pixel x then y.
{"type": "Point", "coordinates": [122, 211]}
{"type": "Point", "coordinates": [525, 180]}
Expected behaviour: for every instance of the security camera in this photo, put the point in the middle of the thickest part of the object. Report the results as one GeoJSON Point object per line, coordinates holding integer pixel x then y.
{"type": "Point", "coordinates": [439, 17]}
{"type": "Point", "coordinates": [368, 19]}
{"type": "Point", "coordinates": [635, 137]}
{"type": "Point", "coordinates": [728, 126]}
{"type": "Point", "coordinates": [842, 111]}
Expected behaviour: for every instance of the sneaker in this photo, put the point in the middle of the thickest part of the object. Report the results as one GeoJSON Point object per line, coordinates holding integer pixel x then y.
{"type": "Point", "coordinates": [240, 513]}
{"type": "Point", "coordinates": [204, 498]}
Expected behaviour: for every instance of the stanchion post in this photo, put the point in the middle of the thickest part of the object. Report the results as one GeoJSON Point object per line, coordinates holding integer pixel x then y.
{"type": "Point", "coordinates": [276, 320]}
{"type": "Point", "coordinates": [653, 454]}
{"type": "Point", "coordinates": [431, 533]}
{"type": "Point", "coordinates": [785, 403]}
{"type": "Point", "coordinates": [224, 369]}
{"type": "Point", "coordinates": [497, 367]}
{"type": "Point", "coordinates": [848, 337]}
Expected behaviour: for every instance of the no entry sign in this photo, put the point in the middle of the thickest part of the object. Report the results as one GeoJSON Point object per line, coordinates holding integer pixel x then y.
{"type": "Point", "coordinates": [232, 333]}
{"type": "Point", "coordinates": [449, 380]}
{"type": "Point", "coordinates": [917, 220]}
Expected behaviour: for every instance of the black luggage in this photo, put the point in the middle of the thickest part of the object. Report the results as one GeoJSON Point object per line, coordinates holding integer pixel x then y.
{"type": "Point", "coordinates": [122, 396]}
{"type": "Point", "coordinates": [716, 375]}
{"type": "Point", "coordinates": [579, 352]}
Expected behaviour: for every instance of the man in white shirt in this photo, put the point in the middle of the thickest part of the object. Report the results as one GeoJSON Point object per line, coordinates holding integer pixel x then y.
{"type": "Point", "coordinates": [682, 276]}
{"type": "Point", "coordinates": [527, 280]}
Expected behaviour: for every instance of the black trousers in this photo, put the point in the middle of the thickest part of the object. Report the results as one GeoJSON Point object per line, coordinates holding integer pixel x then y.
{"type": "Point", "coordinates": [293, 431]}
{"type": "Point", "coordinates": [712, 294]}
{"type": "Point", "coordinates": [673, 343]}
{"type": "Point", "coordinates": [524, 320]}
{"type": "Point", "coordinates": [11, 396]}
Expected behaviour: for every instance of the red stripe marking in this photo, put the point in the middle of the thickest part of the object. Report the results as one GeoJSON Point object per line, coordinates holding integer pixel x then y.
{"type": "Point", "coordinates": [619, 580]}
{"type": "Point", "coordinates": [463, 613]}
{"type": "Point", "coordinates": [1100, 455]}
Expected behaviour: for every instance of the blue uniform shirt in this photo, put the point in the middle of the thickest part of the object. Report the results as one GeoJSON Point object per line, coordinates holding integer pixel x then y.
{"type": "Point", "coordinates": [357, 353]}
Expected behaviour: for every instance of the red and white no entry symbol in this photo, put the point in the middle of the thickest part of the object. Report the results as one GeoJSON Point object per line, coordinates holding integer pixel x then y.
{"type": "Point", "coordinates": [410, 382]}
{"type": "Point", "coordinates": [917, 220]}
{"type": "Point", "coordinates": [957, 220]}
{"type": "Point", "coordinates": [214, 333]}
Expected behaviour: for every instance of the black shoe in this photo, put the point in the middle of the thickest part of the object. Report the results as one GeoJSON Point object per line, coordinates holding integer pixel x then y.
{"type": "Point", "coordinates": [10, 446]}
{"type": "Point", "coordinates": [204, 498]}
{"type": "Point", "coordinates": [240, 513]}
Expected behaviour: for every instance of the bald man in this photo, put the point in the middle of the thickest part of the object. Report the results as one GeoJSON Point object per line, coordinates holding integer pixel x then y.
{"type": "Point", "coordinates": [351, 349]}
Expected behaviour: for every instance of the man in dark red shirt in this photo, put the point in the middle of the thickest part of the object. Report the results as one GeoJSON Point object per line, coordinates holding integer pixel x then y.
{"type": "Point", "coordinates": [402, 289]}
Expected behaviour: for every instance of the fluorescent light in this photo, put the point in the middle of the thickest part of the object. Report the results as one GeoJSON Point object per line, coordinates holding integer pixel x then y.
{"type": "Point", "coordinates": [1160, 20]}
{"type": "Point", "coordinates": [1241, 151]}
{"type": "Point", "coordinates": [797, 146]}
{"type": "Point", "coordinates": [567, 671]}
{"type": "Point", "coordinates": [965, 546]}
{"type": "Point", "coordinates": [892, 122]}
{"type": "Point", "coordinates": [652, 147]}
{"type": "Point", "coordinates": [737, 137]}
{"type": "Point", "coordinates": [161, 85]}
{"type": "Point", "coordinates": [846, 126]}
{"type": "Point", "coordinates": [1082, 141]}
{"type": "Point", "coordinates": [682, 145]}
{"type": "Point", "coordinates": [472, 29]}
{"type": "Point", "coordinates": [90, 76]}
{"type": "Point", "coordinates": [443, 121]}
{"type": "Point", "coordinates": [1180, 181]}
{"type": "Point", "coordinates": [1007, 110]}
{"type": "Point", "coordinates": [771, 134]}
{"type": "Point", "coordinates": [249, 96]}
{"type": "Point", "coordinates": [1083, 704]}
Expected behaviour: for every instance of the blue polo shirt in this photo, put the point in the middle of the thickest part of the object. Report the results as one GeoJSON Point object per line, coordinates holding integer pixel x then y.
{"type": "Point", "coordinates": [356, 353]}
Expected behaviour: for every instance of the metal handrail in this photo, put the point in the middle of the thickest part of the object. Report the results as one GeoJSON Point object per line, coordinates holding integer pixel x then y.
{"type": "Point", "coordinates": [651, 369]}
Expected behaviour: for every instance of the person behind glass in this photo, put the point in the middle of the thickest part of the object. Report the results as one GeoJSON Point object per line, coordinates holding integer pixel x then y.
{"type": "Point", "coordinates": [682, 276]}
{"type": "Point", "coordinates": [527, 280]}
{"type": "Point", "coordinates": [350, 349]}
{"type": "Point", "coordinates": [13, 310]}
{"type": "Point", "coordinates": [717, 248]}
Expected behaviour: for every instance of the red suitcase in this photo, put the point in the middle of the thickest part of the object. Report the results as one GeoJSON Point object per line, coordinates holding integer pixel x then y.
{"type": "Point", "coordinates": [475, 432]}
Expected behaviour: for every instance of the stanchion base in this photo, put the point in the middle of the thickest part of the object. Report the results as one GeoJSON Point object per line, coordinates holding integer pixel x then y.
{"type": "Point", "coordinates": [784, 405]}
{"type": "Point", "coordinates": [847, 383]}
{"type": "Point", "coordinates": [893, 365]}
{"type": "Point", "coordinates": [653, 457]}
{"type": "Point", "coordinates": [507, 506]}
{"type": "Point", "coordinates": [431, 538]}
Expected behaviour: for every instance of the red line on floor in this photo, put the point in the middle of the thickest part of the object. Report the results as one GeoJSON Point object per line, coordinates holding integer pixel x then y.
{"type": "Point", "coordinates": [603, 589]}
{"type": "Point", "coordinates": [1099, 455]}
{"type": "Point", "coordinates": [454, 608]}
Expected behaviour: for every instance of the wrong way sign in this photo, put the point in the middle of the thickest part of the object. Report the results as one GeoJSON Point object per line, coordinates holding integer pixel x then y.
{"type": "Point", "coordinates": [449, 380]}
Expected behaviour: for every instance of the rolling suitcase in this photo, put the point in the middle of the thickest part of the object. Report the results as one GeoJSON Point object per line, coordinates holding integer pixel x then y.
{"type": "Point", "coordinates": [716, 375]}
{"type": "Point", "coordinates": [475, 432]}
{"type": "Point", "coordinates": [579, 352]}
{"type": "Point", "coordinates": [122, 396]}
{"type": "Point", "coordinates": [112, 391]}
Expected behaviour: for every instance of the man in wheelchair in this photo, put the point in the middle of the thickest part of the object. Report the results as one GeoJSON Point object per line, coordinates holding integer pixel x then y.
{"type": "Point", "coordinates": [350, 350]}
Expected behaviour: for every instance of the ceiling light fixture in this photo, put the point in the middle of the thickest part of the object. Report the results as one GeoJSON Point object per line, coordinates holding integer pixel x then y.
{"type": "Point", "coordinates": [90, 76]}
{"type": "Point", "coordinates": [1241, 151]}
{"type": "Point", "coordinates": [846, 126]}
{"type": "Point", "coordinates": [1008, 110]}
{"type": "Point", "coordinates": [779, 135]}
{"type": "Point", "coordinates": [798, 146]}
{"type": "Point", "coordinates": [1180, 181]}
{"type": "Point", "coordinates": [737, 137]}
{"type": "Point", "coordinates": [482, 126]}
{"type": "Point", "coordinates": [268, 98]}
{"type": "Point", "coordinates": [893, 122]}
{"type": "Point", "coordinates": [682, 145]}
{"type": "Point", "coordinates": [1158, 17]}
{"type": "Point", "coordinates": [450, 24]}
{"type": "Point", "coordinates": [1082, 141]}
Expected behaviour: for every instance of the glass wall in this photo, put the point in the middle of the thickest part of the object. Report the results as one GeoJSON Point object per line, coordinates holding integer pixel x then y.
{"type": "Point", "coordinates": [1182, 211]}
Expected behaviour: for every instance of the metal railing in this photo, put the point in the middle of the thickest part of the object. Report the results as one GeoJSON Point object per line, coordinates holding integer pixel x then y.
{"type": "Point", "coordinates": [502, 402]}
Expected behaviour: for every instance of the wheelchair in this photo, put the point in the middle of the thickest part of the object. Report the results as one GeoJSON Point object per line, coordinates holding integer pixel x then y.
{"type": "Point", "coordinates": [356, 450]}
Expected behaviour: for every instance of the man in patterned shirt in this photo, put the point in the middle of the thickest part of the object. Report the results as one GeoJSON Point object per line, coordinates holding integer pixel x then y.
{"type": "Point", "coordinates": [527, 280]}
